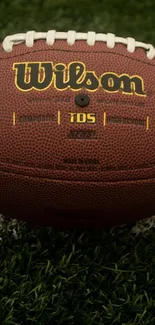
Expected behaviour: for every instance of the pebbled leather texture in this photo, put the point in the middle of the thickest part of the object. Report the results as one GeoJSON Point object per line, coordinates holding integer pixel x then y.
{"type": "Point", "coordinates": [61, 173]}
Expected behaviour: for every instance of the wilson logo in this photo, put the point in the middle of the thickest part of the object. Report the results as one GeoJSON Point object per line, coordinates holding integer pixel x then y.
{"type": "Point", "coordinates": [74, 76]}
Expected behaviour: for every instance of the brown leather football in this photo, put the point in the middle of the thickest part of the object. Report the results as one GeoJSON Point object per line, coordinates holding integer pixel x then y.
{"type": "Point", "coordinates": [77, 128]}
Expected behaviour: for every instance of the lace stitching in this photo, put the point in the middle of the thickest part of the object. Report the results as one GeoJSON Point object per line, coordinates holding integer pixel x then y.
{"type": "Point", "coordinates": [71, 37]}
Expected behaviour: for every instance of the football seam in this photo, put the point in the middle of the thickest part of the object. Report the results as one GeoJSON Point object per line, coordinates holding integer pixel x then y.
{"type": "Point", "coordinates": [76, 180]}
{"type": "Point", "coordinates": [74, 51]}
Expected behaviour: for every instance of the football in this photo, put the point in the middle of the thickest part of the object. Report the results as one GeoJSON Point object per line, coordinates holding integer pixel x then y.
{"type": "Point", "coordinates": [77, 128]}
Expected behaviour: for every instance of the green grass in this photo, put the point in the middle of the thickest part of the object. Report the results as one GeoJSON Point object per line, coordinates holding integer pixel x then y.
{"type": "Point", "coordinates": [132, 18]}
{"type": "Point", "coordinates": [73, 277]}
{"type": "Point", "coordinates": [50, 277]}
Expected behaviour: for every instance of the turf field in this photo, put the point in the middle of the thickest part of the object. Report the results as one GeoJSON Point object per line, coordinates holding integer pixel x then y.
{"type": "Point", "coordinates": [97, 277]}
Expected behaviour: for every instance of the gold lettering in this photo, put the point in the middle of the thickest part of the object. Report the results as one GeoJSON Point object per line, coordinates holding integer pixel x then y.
{"type": "Point", "coordinates": [74, 76]}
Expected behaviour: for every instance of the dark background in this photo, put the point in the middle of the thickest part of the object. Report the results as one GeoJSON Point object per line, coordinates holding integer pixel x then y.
{"type": "Point", "coordinates": [129, 18]}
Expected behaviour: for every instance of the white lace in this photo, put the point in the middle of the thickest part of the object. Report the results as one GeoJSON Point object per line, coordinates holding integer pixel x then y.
{"type": "Point", "coordinates": [71, 36]}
